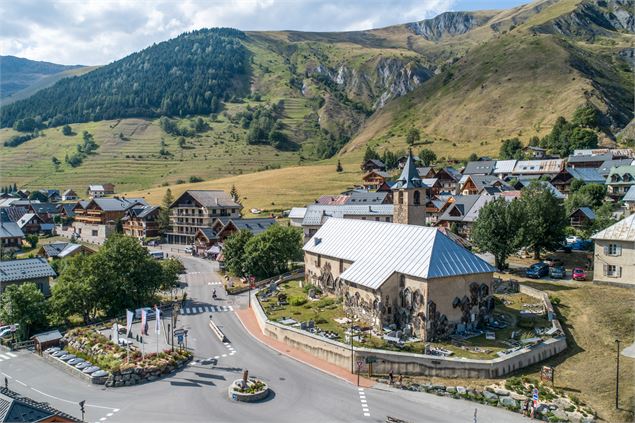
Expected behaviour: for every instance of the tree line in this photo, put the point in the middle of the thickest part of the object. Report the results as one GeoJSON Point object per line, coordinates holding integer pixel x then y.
{"type": "Point", "coordinates": [536, 220]}
{"type": "Point", "coordinates": [264, 255]}
{"type": "Point", "coordinates": [120, 276]}
{"type": "Point", "coordinates": [190, 74]}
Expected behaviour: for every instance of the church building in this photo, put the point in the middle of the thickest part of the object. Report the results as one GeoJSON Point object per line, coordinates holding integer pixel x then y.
{"type": "Point", "coordinates": [401, 273]}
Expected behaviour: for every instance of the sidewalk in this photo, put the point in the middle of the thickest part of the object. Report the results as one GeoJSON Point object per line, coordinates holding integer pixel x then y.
{"type": "Point", "coordinates": [248, 319]}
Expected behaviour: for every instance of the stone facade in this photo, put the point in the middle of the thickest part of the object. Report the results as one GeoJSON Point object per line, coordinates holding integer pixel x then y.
{"type": "Point", "coordinates": [430, 309]}
{"type": "Point", "coordinates": [410, 206]}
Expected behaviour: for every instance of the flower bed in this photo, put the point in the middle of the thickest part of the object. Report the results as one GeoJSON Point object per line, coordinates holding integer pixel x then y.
{"type": "Point", "coordinates": [99, 350]}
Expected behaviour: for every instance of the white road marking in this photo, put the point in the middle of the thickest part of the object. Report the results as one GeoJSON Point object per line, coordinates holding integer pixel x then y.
{"type": "Point", "coordinates": [7, 376]}
{"type": "Point", "coordinates": [224, 355]}
{"type": "Point", "coordinates": [21, 383]}
{"type": "Point", "coordinates": [231, 308]}
{"type": "Point", "coordinates": [363, 401]}
{"type": "Point", "coordinates": [6, 357]}
{"type": "Point", "coordinates": [102, 419]}
{"type": "Point", "coordinates": [366, 414]}
{"type": "Point", "coordinates": [109, 414]}
{"type": "Point", "coordinates": [74, 402]}
{"type": "Point", "coordinates": [216, 357]}
{"type": "Point", "coordinates": [11, 354]}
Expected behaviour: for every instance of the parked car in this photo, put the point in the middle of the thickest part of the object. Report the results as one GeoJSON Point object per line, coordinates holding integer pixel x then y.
{"type": "Point", "coordinates": [557, 272]}
{"type": "Point", "coordinates": [8, 330]}
{"type": "Point", "coordinates": [124, 342]}
{"type": "Point", "coordinates": [537, 270]}
{"type": "Point", "coordinates": [572, 238]}
{"type": "Point", "coordinates": [578, 274]}
{"type": "Point", "coordinates": [149, 312]}
{"type": "Point", "coordinates": [188, 250]}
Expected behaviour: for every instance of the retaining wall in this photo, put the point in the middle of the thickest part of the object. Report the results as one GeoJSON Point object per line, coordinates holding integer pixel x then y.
{"type": "Point", "coordinates": [405, 363]}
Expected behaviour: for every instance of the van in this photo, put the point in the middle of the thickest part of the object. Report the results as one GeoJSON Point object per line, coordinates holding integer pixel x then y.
{"type": "Point", "coordinates": [159, 255]}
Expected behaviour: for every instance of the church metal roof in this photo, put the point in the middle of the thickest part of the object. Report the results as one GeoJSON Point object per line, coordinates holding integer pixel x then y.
{"type": "Point", "coordinates": [379, 249]}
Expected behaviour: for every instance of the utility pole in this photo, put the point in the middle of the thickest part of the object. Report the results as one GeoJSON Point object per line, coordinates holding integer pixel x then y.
{"type": "Point", "coordinates": [617, 377]}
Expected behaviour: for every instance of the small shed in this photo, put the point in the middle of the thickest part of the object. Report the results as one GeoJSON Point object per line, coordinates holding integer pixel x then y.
{"type": "Point", "coordinates": [581, 217]}
{"type": "Point", "coordinates": [46, 340]}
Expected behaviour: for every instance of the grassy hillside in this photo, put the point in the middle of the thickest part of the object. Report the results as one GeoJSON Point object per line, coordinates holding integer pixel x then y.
{"type": "Point", "coordinates": [466, 80]}
{"type": "Point", "coordinates": [132, 160]}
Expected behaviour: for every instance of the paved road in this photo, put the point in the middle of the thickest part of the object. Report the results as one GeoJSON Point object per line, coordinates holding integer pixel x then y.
{"type": "Point", "coordinates": [199, 393]}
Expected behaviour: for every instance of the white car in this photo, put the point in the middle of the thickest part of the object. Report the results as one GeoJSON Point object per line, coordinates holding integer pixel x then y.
{"type": "Point", "coordinates": [572, 239]}
{"type": "Point", "coordinates": [188, 250]}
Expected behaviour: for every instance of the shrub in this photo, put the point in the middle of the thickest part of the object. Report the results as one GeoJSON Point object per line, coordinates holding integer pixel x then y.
{"type": "Point", "coordinates": [297, 301]}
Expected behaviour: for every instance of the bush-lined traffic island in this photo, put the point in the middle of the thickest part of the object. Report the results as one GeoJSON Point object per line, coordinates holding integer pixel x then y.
{"type": "Point", "coordinates": [124, 367]}
{"type": "Point", "coordinates": [248, 389]}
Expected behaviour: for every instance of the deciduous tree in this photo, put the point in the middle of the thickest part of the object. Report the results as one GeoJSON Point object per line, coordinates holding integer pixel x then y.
{"type": "Point", "coordinates": [25, 305]}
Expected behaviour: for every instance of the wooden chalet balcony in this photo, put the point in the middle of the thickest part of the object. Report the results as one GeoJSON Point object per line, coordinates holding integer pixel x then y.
{"type": "Point", "coordinates": [89, 219]}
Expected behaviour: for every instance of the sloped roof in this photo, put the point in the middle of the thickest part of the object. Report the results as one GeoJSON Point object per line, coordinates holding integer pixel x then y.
{"type": "Point", "coordinates": [375, 162]}
{"type": "Point", "coordinates": [605, 167]}
{"type": "Point", "coordinates": [624, 230]}
{"type": "Point", "coordinates": [586, 174]}
{"type": "Point", "coordinates": [482, 181]}
{"type": "Point", "coordinates": [60, 249]}
{"type": "Point", "coordinates": [117, 204]}
{"type": "Point", "coordinates": [538, 166]}
{"type": "Point", "coordinates": [505, 166]}
{"type": "Point", "coordinates": [297, 213]}
{"type": "Point", "coordinates": [316, 214]}
{"type": "Point", "coordinates": [379, 249]}
{"type": "Point", "coordinates": [367, 197]}
{"type": "Point", "coordinates": [69, 192]}
{"type": "Point", "coordinates": [621, 171]}
{"type": "Point", "coordinates": [96, 187]}
{"type": "Point", "coordinates": [142, 211]}
{"type": "Point", "coordinates": [378, 172]}
{"type": "Point", "coordinates": [45, 208]}
{"type": "Point", "coordinates": [25, 269]}
{"type": "Point", "coordinates": [582, 158]}
{"type": "Point", "coordinates": [255, 226]}
{"type": "Point", "coordinates": [25, 219]}
{"type": "Point", "coordinates": [630, 195]}
{"type": "Point", "coordinates": [484, 167]}
{"type": "Point", "coordinates": [409, 176]}
{"type": "Point", "coordinates": [52, 335]}
{"type": "Point", "coordinates": [586, 211]}
{"type": "Point", "coordinates": [10, 230]}
{"type": "Point", "coordinates": [209, 198]}
{"type": "Point", "coordinates": [462, 204]}
{"type": "Point", "coordinates": [209, 233]}
{"type": "Point", "coordinates": [423, 171]}
{"type": "Point", "coordinates": [17, 408]}
{"type": "Point", "coordinates": [331, 199]}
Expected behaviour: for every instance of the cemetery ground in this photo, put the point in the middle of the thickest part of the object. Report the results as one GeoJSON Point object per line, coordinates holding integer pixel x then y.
{"type": "Point", "coordinates": [326, 314]}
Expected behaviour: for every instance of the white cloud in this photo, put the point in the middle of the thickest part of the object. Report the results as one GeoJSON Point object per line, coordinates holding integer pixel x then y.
{"type": "Point", "coordinates": [100, 31]}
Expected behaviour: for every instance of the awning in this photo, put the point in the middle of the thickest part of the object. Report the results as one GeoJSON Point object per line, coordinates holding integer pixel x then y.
{"type": "Point", "coordinates": [214, 249]}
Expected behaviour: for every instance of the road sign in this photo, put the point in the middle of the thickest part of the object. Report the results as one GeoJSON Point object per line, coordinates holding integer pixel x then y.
{"type": "Point", "coordinates": [371, 359]}
{"type": "Point", "coordinates": [360, 363]}
{"type": "Point", "coordinates": [179, 339]}
{"type": "Point", "coordinates": [534, 395]}
{"type": "Point", "coordinates": [178, 332]}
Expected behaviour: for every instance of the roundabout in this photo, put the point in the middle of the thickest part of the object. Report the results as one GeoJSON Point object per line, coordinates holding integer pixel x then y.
{"type": "Point", "coordinates": [248, 389]}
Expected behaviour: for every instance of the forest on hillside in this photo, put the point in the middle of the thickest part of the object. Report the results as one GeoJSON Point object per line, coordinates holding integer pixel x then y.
{"type": "Point", "coordinates": [190, 74]}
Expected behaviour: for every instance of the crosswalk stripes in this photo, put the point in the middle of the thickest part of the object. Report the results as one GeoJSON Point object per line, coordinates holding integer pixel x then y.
{"type": "Point", "coordinates": [206, 309]}
{"type": "Point", "coordinates": [7, 356]}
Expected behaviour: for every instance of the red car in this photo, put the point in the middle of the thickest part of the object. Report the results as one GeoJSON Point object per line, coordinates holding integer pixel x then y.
{"type": "Point", "coordinates": [578, 274]}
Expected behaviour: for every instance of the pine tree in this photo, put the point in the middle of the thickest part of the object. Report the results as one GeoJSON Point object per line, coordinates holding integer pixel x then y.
{"type": "Point", "coordinates": [15, 187]}
{"type": "Point", "coordinates": [164, 213]}
{"type": "Point", "coordinates": [339, 167]}
{"type": "Point", "coordinates": [233, 193]}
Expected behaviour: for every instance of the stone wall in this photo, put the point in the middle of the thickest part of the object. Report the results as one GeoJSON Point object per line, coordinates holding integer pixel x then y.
{"type": "Point", "coordinates": [409, 363]}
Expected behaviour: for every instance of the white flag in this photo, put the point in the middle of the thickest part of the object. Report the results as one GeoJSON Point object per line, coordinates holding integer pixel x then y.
{"type": "Point", "coordinates": [129, 317]}
{"type": "Point", "coordinates": [115, 333]}
{"type": "Point", "coordinates": [144, 322]}
{"type": "Point", "coordinates": [158, 320]}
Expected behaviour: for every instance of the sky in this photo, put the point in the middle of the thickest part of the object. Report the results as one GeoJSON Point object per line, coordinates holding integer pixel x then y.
{"type": "Point", "coordinates": [96, 32]}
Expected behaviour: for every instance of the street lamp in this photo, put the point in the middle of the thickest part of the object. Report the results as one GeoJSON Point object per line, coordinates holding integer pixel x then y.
{"type": "Point", "coordinates": [617, 376]}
